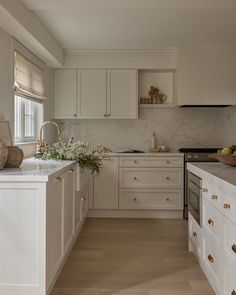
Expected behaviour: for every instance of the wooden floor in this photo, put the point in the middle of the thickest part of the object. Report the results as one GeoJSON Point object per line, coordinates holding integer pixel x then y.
{"type": "Point", "coordinates": [132, 257]}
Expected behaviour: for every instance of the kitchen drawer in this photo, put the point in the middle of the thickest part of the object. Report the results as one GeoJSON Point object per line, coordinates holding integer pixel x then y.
{"type": "Point", "coordinates": [230, 243]}
{"type": "Point", "coordinates": [230, 281]}
{"type": "Point", "coordinates": [229, 205]}
{"type": "Point", "coordinates": [157, 161]}
{"type": "Point", "coordinates": [212, 195]}
{"type": "Point", "coordinates": [213, 222]}
{"type": "Point", "coordinates": [151, 178]}
{"type": "Point", "coordinates": [213, 262]}
{"type": "Point", "coordinates": [169, 199]}
{"type": "Point", "coordinates": [195, 234]}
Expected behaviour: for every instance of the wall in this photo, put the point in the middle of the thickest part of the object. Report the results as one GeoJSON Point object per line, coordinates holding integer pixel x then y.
{"type": "Point", "coordinates": [6, 90]}
{"type": "Point", "coordinates": [174, 127]}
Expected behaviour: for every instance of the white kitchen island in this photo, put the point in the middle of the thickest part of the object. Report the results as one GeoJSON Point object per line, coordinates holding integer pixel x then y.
{"type": "Point", "coordinates": [43, 205]}
{"type": "Point", "coordinates": [214, 244]}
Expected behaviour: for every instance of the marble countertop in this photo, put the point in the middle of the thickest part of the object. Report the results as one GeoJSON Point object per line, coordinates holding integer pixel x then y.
{"type": "Point", "coordinates": [219, 170]}
{"type": "Point", "coordinates": [34, 170]}
{"type": "Point", "coordinates": [169, 154]}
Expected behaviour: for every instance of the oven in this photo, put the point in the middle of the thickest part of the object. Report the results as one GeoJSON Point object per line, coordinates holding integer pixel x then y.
{"type": "Point", "coordinates": [194, 191]}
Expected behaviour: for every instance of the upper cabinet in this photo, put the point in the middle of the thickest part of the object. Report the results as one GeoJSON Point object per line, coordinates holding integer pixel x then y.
{"type": "Point", "coordinates": [91, 94]}
{"type": "Point", "coordinates": [122, 101]}
{"type": "Point", "coordinates": [95, 94]}
{"type": "Point", "coordinates": [65, 92]}
{"type": "Point", "coordinates": [206, 76]}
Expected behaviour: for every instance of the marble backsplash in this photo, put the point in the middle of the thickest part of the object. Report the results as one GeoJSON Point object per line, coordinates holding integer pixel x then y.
{"type": "Point", "coordinates": [174, 127]}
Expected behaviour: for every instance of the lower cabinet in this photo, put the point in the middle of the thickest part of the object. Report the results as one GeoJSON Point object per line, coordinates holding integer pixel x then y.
{"type": "Point", "coordinates": [106, 185]}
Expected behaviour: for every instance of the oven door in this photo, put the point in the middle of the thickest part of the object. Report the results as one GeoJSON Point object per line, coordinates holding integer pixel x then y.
{"type": "Point", "coordinates": [194, 200]}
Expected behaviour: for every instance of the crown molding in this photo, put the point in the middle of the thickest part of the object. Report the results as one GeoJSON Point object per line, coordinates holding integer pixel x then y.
{"type": "Point", "coordinates": [104, 52]}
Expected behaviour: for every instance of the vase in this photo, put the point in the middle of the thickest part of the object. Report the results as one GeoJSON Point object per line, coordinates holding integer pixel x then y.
{"type": "Point", "coordinates": [15, 157]}
{"type": "Point", "coordinates": [3, 155]}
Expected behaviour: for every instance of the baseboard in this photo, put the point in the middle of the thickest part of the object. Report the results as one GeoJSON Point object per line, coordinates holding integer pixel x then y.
{"type": "Point", "coordinates": [136, 213]}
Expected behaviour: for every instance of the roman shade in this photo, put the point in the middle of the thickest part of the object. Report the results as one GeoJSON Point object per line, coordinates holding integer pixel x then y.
{"type": "Point", "coordinates": [29, 79]}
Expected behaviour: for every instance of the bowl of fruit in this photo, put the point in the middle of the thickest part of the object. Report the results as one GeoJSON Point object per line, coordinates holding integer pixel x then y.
{"type": "Point", "coordinates": [226, 155]}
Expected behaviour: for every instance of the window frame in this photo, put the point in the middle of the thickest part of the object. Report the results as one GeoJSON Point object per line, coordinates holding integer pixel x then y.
{"type": "Point", "coordinates": [39, 118]}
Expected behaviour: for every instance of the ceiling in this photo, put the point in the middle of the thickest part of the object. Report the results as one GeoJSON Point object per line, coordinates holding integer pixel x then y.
{"type": "Point", "coordinates": [136, 24]}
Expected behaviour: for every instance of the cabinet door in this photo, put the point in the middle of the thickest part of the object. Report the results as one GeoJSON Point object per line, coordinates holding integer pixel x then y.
{"type": "Point", "coordinates": [64, 94]}
{"type": "Point", "coordinates": [54, 225]}
{"type": "Point", "coordinates": [122, 102]}
{"type": "Point", "coordinates": [106, 185]}
{"type": "Point", "coordinates": [91, 94]}
{"type": "Point", "coordinates": [68, 208]}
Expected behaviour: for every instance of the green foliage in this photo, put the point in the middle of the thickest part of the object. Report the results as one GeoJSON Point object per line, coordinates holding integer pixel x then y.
{"type": "Point", "coordinates": [85, 153]}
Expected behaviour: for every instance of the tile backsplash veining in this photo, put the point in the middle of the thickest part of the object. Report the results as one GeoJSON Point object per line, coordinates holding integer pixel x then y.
{"type": "Point", "coordinates": [174, 127]}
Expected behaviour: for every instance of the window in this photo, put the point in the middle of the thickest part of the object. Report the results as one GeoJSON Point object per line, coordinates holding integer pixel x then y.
{"type": "Point", "coordinates": [28, 100]}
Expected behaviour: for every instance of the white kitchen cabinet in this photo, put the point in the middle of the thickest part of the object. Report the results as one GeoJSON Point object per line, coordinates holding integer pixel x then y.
{"type": "Point", "coordinates": [122, 101]}
{"type": "Point", "coordinates": [65, 94]}
{"type": "Point", "coordinates": [92, 93]}
{"type": "Point", "coordinates": [37, 229]}
{"type": "Point", "coordinates": [106, 185]}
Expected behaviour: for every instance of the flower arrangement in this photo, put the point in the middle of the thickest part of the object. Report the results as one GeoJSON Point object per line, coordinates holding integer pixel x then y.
{"type": "Point", "coordinates": [85, 153]}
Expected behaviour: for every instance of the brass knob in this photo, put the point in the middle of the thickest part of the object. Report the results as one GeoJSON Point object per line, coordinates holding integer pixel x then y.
{"type": "Point", "coordinates": [135, 199]}
{"type": "Point", "coordinates": [195, 235]}
{"type": "Point", "coordinates": [105, 115]}
{"type": "Point", "coordinates": [135, 161]}
{"type": "Point", "coordinates": [58, 179]}
{"type": "Point", "coordinates": [205, 190]}
{"type": "Point", "coordinates": [71, 170]}
{"type": "Point", "coordinates": [83, 199]}
{"type": "Point", "coordinates": [167, 177]}
{"type": "Point", "coordinates": [75, 115]}
{"type": "Point", "coordinates": [106, 158]}
{"type": "Point", "coordinates": [108, 115]}
{"type": "Point", "coordinates": [135, 178]}
{"type": "Point", "coordinates": [167, 199]}
{"type": "Point", "coordinates": [214, 197]}
{"type": "Point", "coordinates": [167, 162]}
{"type": "Point", "coordinates": [210, 258]}
{"type": "Point", "coordinates": [233, 292]}
{"type": "Point", "coordinates": [226, 206]}
{"type": "Point", "coordinates": [234, 248]}
{"type": "Point", "coordinates": [211, 222]}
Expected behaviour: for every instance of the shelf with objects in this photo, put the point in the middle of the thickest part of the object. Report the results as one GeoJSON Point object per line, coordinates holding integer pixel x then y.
{"type": "Point", "coordinates": [156, 88]}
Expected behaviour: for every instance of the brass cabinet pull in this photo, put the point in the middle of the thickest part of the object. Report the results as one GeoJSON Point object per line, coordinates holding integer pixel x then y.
{"type": "Point", "coordinates": [167, 162]}
{"type": "Point", "coordinates": [135, 161]}
{"type": "Point", "coordinates": [226, 206]}
{"type": "Point", "coordinates": [135, 199]}
{"type": "Point", "coordinates": [105, 115]}
{"type": "Point", "coordinates": [234, 249]}
{"type": "Point", "coordinates": [71, 170]}
{"type": "Point", "coordinates": [211, 222]}
{"type": "Point", "coordinates": [194, 234]}
{"type": "Point", "coordinates": [168, 199]}
{"type": "Point", "coordinates": [233, 292]}
{"type": "Point", "coordinates": [135, 178]}
{"type": "Point", "coordinates": [83, 199]}
{"type": "Point", "coordinates": [108, 115]}
{"type": "Point", "coordinates": [167, 177]}
{"type": "Point", "coordinates": [210, 258]}
{"type": "Point", "coordinates": [58, 179]}
{"type": "Point", "coordinates": [75, 115]}
{"type": "Point", "coordinates": [106, 158]}
{"type": "Point", "coordinates": [214, 197]}
{"type": "Point", "coordinates": [205, 190]}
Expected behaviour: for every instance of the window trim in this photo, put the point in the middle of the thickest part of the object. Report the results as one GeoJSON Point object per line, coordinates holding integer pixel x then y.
{"type": "Point", "coordinates": [17, 46]}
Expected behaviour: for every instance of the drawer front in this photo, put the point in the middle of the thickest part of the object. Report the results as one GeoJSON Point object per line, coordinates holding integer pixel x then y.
{"type": "Point", "coordinates": [230, 243]}
{"type": "Point", "coordinates": [213, 222]}
{"type": "Point", "coordinates": [151, 178]}
{"type": "Point", "coordinates": [151, 199]}
{"type": "Point", "coordinates": [213, 262]}
{"type": "Point", "coordinates": [212, 195]}
{"type": "Point", "coordinates": [157, 161]}
{"type": "Point", "coordinates": [195, 234]}
{"type": "Point", "coordinates": [230, 281]}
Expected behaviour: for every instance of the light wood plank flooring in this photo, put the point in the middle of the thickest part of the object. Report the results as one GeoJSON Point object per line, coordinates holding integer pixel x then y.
{"type": "Point", "coordinates": [132, 257]}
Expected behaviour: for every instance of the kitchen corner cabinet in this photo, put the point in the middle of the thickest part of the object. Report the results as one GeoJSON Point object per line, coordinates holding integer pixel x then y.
{"type": "Point", "coordinates": [65, 94]}
{"type": "Point", "coordinates": [95, 94]}
{"type": "Point", "coordinates": [106, 185]}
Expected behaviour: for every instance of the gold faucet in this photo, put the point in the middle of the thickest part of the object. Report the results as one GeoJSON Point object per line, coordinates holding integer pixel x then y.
{"type": "Point", "coordinates": [42, 146]}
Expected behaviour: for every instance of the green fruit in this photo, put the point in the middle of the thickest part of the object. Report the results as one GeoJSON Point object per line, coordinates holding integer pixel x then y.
{"type": "Point", "coordinates": [226, 151]}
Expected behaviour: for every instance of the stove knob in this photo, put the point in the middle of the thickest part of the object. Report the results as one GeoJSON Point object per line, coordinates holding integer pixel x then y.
{"type": "Point", "coordinates": [189, 157]}
{"type": "Point", "coordinates": [196, 157]}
